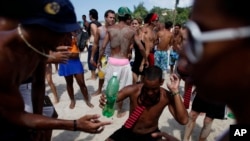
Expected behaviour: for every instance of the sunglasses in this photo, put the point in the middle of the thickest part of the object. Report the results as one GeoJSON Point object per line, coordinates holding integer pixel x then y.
{"type": "Point", "coordinates": [196, 38]}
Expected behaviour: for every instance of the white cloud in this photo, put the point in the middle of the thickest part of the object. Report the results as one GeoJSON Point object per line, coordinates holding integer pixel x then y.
{"type": "Point", "coordinates": [170, 3]}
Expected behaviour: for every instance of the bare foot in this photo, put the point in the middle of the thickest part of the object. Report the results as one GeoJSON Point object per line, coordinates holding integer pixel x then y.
{"type": "Point", "coordinates": [121, 113]}
{"type": "Point", "coordinates": [72, 104]}
{"type": "Point", "coordinates": [96, 93]}
{"type": "Point", "coordinates": [90, 105]}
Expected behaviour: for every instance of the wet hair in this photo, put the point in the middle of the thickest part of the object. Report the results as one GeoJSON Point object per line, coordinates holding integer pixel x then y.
{"type": "Point", "coordinates": [109, 11]}
{"type": "Point", "coordinates": [168, 24]}
{"type": "Point", "coordinates": [153, 73]}
{"type": "Point", "coordinates": [93, 13]}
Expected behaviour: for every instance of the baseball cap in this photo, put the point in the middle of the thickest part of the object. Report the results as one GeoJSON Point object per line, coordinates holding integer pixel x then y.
{"type": "Point", "coordinates": [56, 15]}
{"type": "Point", "coordinates": [122, 11]}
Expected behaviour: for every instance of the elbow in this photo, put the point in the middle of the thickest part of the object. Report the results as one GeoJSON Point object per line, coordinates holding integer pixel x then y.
{"type": "Point", "coordinates": [183, 120]}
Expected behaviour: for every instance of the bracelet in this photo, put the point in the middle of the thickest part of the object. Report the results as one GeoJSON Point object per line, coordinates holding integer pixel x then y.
{"type": "Point", "coordinates": [174, 93]}
{"type": "Point", "coordinates": [75, 125]}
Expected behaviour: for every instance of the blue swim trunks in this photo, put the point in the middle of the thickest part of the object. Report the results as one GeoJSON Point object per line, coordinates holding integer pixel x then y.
{"type": "Point", "coordinates": [73, 66]}
{"type": "Point", "coordinates": [173, 57]}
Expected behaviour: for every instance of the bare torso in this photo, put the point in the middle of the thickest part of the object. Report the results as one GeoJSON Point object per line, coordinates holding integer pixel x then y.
{"type": "Point", "coordinates": [121, 38]}
{"type": "Point", "coordinates": [177, 42]}
{"type": "Point", "coordinates": [19, 58]}
{"type": "Point", "coordinates": [148, 121]}
{"type": "Point", "coordinates": [165, 38]}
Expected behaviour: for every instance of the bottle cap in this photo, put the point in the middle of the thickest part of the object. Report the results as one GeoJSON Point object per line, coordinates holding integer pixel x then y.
{"type": "Point", "coordinates": [115, 73]}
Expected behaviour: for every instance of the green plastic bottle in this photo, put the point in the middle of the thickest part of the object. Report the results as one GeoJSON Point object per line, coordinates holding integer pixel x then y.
{"type": "Point", "coordinates": [111, 95]}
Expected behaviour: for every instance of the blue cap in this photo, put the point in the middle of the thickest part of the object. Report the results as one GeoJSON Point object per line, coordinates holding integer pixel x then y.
{"type": "Point", "coordinates": [56, 15]}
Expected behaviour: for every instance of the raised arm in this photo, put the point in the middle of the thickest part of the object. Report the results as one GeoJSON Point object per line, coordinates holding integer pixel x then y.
{"type": "Point", "coordinates": [176, 106]}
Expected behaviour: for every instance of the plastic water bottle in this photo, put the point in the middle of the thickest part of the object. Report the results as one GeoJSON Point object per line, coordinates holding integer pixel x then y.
{"type": "Point", "coordinates": [111, 95]}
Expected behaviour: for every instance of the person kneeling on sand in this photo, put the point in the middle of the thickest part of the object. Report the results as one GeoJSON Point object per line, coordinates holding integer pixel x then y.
{"type": "Point", "coordinates": [147, 101]}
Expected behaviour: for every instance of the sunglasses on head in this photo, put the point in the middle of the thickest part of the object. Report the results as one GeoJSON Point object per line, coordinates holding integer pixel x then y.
{"type": "Point", "coordinates": [196, 38]}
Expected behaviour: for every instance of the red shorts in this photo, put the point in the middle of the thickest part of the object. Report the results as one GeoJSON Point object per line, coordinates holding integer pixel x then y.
{"type": "Point", "coordinates": [151, 59]}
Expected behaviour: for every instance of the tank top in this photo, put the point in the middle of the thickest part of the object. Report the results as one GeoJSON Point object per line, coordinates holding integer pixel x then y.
{"type": "Point", "coordinates": [98, 24]}
{"type": "Point", "coordinates": [103, 31]}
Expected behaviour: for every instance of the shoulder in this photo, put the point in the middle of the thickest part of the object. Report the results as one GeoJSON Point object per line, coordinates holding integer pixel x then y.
{"type": "Point", "coordinates": [131, 89]}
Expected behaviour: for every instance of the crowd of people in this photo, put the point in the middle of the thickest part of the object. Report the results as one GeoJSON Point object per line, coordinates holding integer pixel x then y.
{"type": "Point", "coordinates": [201, 53]}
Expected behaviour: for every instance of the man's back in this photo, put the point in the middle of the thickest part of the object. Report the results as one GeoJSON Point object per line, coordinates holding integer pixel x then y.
{"type": "Point", "coordinates": [165, 38]}
{"type": "Point", "coordinates": [121, 37]}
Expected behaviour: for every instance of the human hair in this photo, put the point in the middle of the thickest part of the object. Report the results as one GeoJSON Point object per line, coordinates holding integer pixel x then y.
{"type": "Point", "coordinates": [94, 14]}
{"type": "Point", "coordinates": [177, 24]}
{"type": "Point", "coordinates": [84, 16]}
{"type": "Point", "coordinates": [139, 20]}
{"type": "Point", "coordinates": [153, 73]}
{"type": "Point", "coordinates": [124, 18]}
{"type": "Point", "coordinates": [168, 24]}
{"type": "Point", "coordinates": [148, 17]}
{"type": "Point", "coordinates": [109, 11]}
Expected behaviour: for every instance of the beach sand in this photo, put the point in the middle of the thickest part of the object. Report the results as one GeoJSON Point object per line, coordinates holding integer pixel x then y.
{"type": "Point", "coordinates": [166, 122]}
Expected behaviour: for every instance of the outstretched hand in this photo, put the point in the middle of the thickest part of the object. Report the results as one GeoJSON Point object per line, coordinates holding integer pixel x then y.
{"type": "Point", "coordinates": [91, 124]}
{"type": "Point", "coordinates": [174, 84]}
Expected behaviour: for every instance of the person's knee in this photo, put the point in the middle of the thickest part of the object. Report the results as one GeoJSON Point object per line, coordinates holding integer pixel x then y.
{"type": "Point", "coordinates": [193, 116]}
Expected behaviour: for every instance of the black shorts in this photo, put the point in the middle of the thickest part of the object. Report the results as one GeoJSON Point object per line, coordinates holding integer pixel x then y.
{"type": "Point", "coordinates": [125, 134]}
{"type": "Point", "coordinates": [212, 110]}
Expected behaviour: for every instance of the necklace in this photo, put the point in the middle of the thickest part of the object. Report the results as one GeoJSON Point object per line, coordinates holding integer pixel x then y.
{"type": "Point", "coordinates": [30, 46]}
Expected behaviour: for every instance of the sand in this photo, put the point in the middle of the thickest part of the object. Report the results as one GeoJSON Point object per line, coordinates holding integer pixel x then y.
{"type": "Point", "coordinates": [166, 122]}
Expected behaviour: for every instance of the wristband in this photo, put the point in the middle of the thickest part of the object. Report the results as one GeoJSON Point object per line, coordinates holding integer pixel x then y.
{"type": "Point", "coordinates": [174, 93]}
{"type": "Point", "coordinates": [75, 125]}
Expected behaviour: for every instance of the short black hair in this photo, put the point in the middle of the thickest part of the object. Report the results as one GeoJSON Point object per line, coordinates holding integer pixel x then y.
{"type": "Point", "coordinates": [148, 17]}
{"type": "Point", "coordinates": [93, 13]}
{"type": "Point", "coordinates": [109, 11]}
{"type": "Point", "coordinates": [168, 24]}
{"type": "Point", "coordinates": [124, 18]}
{"type": "Point", "coordinates": [153, 73]}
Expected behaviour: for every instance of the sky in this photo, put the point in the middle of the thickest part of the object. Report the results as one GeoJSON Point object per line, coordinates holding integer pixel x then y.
{"type": "Point", "coordinates": [83, 6]}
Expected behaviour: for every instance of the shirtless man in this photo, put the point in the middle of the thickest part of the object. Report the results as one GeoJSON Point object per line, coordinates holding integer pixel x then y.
{"type": "Point", "coordinates": [24, 50]}
{"type": "Point", "coordinates": [150, 36]}
{"type": "Point", "coordinates": [101, 32]}
{"type": "Point", "coordinates": [177, 46]}
{"type": "Point", "coordinates": [85, 22]}
{"type": "Point", "coordinates": [219, 63]}
{"type": "Point", "coordinates": [121, 37]}
{"type": "Point", "coordinates": [147, 101]}
{"type": "Point", "coordinates": [165, 38]}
